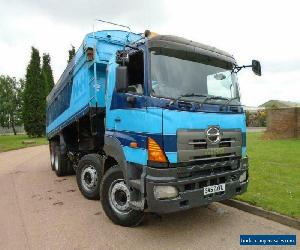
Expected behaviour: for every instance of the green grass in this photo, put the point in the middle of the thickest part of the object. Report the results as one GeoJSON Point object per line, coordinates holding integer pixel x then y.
{"type": "Point", "coordinates": [274, 174]}
{"type": "Point", "coordinates": [10, 142]}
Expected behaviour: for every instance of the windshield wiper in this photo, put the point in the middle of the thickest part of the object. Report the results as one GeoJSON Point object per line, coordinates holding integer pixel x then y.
{"type": "Point", "coordinates": [191, 95]}
{"type": "Point", "coordinates": [207, 97]}
{"type": "Point", "coordinates": [229, 101]}
{"type": "Point", "coordinates": [214, 98]}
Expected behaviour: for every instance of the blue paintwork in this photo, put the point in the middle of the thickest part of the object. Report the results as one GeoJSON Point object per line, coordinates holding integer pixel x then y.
{"type": "Point", "coordinates": [106, 44]}
{"type": "Point", "coordinates": [150, 116]}
{"type": "Point", "coordinates": [131, 128]}
{"type": "Point", "coordinates": [174, 120]}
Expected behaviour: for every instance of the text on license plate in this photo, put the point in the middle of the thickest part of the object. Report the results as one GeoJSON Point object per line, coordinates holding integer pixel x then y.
{"type": "Point", "coordinates": [214, 189]}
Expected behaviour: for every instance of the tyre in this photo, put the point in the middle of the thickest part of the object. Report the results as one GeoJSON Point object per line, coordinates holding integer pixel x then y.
{"type": "Point", "coordinates": [115, 197]}
{"type": "Point", "coordinates": [60, 162]}
{"type": "Point", "coordinates": [52, 154]}
{"type": "Point", "coordinates": [88, 175]}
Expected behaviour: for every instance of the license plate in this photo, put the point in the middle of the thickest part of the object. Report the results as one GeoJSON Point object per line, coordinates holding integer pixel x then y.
{"type": "Point", "coordinates": [214, 189]}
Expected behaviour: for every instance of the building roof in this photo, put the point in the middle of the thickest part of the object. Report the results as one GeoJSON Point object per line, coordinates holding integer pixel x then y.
{"type": "Point", "coordinates": [252, 108]}
{"type": "Point", "coordinates": [279, 104]}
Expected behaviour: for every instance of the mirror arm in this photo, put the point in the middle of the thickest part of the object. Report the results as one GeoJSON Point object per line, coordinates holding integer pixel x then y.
{"type": "Point", "coordinates": [256, 68]}
{"type": "Point", "coordinates": [237, 68]}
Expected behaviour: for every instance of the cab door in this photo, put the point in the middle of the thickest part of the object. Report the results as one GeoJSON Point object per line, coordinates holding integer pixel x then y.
{"type": "Point", "coordinates": [126, 116]}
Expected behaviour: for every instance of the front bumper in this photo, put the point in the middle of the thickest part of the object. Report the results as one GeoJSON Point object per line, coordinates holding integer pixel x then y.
{"type": "Point", "coordinates": [190, 181]}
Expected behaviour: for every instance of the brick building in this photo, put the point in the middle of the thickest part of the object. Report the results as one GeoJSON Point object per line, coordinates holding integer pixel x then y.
{"type": "Point", "coordinates": [283, 123]}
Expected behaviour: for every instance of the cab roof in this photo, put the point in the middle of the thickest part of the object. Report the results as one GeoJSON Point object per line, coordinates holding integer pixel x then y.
{"type": "Point", "coordinates": [179, 43]}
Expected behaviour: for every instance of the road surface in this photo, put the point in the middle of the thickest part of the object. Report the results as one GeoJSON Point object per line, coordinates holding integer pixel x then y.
{"type": "Point", "coordinates": [41, 211]}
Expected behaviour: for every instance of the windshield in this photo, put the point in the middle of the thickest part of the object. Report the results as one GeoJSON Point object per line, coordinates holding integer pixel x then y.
{"type": "Point", "coordinates": [173, 77]}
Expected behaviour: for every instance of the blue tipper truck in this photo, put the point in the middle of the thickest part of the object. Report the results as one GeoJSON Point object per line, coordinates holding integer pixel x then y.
{"type": "Point", "coordinates": [149, 123]}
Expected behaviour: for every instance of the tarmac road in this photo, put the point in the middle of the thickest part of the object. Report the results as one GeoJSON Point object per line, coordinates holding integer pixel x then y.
{"type": "Point", "coordinates": [41, 211]}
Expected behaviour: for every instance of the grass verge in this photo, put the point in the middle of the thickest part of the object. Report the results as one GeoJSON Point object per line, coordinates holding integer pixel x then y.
{"type": "Point", "coordinates": [11, 142]}
{"type": "Point", "coordinates": [274, 174]}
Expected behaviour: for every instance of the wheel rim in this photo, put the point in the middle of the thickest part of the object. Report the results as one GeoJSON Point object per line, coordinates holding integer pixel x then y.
{"type": "Point", "coordinates": [89, 178]}
{"type": "Point", "coordinates": [119, 197]}
{"type": "Point", "coordinates": [56, 162]}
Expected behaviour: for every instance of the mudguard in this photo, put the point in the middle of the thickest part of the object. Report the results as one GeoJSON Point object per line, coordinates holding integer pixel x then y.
{"type": "Point", "coordinates": [112, 147]}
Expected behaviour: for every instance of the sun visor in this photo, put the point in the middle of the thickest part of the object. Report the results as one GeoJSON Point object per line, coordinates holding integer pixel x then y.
{"type": "Point", "coordinates": [192, 51]}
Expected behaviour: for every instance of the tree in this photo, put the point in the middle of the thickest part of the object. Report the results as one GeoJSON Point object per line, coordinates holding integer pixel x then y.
{"type": "Point", "coordinates": [47, 75]}
{"type": "Point", "coordinates": [72, 53]}
{"type": "Point", "coordinates": [34, 108]}
{"type": "Point", "coordinates": [248, 116]}
{"type": "Point", "coordinates": [11, 102]}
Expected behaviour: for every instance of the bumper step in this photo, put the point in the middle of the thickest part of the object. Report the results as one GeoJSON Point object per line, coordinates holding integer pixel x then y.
{"type": "Point", "coordinates": [137, 205]}
{"type": "Point", "coordinates": [137, 184]}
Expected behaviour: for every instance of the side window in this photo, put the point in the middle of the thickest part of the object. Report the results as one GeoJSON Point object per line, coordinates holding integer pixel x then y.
{"type": "Point", "coordinates": [136, 73]}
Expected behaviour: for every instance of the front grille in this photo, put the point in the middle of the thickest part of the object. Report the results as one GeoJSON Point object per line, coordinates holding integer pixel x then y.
{"type": "Point", "coordinates": [209, 168]}
{"type": "Point", "coordinates": [205, 183]}
{"type": "Point", "coordinates": [208, 174]}
{"type": "Point", "coordinates": [193, 145]}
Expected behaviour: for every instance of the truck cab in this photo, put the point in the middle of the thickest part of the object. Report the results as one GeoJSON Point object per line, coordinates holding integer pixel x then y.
{"type": "Point", "coordinates": [152, 124]}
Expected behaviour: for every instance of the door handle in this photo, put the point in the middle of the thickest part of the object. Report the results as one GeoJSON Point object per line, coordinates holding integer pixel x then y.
{"type": "Point", "coordinates": [131, 99]}
{"type": "Point", "coordinates": [117, 119]}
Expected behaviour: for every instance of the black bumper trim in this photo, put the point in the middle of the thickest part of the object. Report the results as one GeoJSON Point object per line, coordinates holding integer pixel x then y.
{"type": "Point", "coordinates": [191, 192]}
{"type": "Point", "coordinates": [190, 199]}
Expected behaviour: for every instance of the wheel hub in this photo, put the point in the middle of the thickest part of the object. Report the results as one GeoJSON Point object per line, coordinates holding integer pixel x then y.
{"type": "Point", "coordinates": [89, 178]}
{"type": "Point", "coordinates": [119, 196]}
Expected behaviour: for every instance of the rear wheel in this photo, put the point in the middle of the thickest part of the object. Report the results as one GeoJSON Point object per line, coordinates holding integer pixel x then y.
{"type": "Point", "coordinates": [61, 165]}
{"type": "Point", "coordinates": [88, 175]}
{"type": "Point", "coordinates": [52, 154]}
{"type": "Point", "coordinates": [115, 197]}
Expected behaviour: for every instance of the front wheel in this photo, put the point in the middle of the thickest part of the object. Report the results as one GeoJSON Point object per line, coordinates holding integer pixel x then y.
{"type": "Point", "coordinates": [115, 197]}
{"type": "Point", "coordinates": [88, 175]}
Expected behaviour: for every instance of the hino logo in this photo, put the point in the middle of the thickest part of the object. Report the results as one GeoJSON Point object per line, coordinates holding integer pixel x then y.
{"type": "Point", "coordinates": [213, 135]}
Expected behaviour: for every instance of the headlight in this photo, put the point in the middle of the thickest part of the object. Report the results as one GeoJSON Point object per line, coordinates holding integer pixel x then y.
{"type": "Point", "coordinates": [165, 192]}
{"type": "Point", "coordinates": [243, 177]}
{"type": "Point", "coordinates": [244, 163]}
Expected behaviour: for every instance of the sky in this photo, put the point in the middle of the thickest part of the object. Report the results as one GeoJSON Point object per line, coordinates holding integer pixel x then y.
{"type": "Point", "coordinates": [264, 30]}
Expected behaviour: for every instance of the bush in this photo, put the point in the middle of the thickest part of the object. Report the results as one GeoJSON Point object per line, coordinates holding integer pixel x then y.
{"type": "Point", "coordinates": [256, 119]}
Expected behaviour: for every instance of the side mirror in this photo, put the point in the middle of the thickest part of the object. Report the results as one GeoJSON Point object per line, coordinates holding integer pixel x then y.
{"type": "Point", "coordinates": [122, 57]}
{"type": "Point", "coordinates": [256, 68]}
{"type": "Point", "coordinates": [121, 78]}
